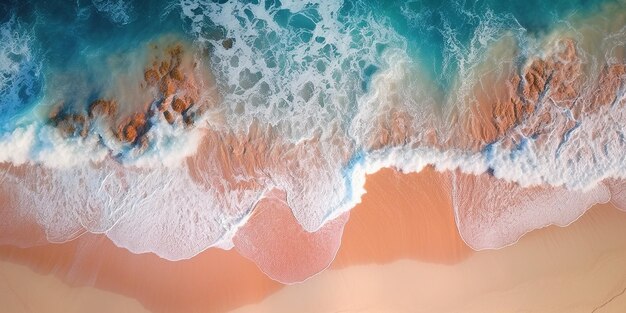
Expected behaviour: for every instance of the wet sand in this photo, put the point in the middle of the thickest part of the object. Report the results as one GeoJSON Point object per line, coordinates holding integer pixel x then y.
{"type": "Point", "coordinates": [579, 268]}
{"type": "Point", "coordinates": [213, 281]}
{"type": "Point", "coordinates": [280, 247]}
{"type": "Point", "coordinates": [400, 252]}
{"type": "Point", "coordinates": [22, 291]}
{"type": "Point", "coordinates": [403, 216]}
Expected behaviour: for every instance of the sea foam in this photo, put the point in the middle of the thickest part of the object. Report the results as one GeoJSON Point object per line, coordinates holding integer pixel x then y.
{"type": "Point", "coordinates": [20, 72]}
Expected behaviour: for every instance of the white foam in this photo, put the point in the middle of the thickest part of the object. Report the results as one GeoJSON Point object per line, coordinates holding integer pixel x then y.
{"type": "Point", "coordinates": [618, 192]}
{"type": "Point", "coordinates": [118, 11]}
{"type": "Point", "coordinates": [493, 213]}
{"type": "Point", "coordinates": [160, 210]}
{"type": "Point", "coordinates": [275, 76]}
{"type": "Point", "coordinates": [19, 70]}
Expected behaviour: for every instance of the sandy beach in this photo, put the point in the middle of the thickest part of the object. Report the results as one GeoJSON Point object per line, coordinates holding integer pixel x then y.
{"type": "Point", "coordinates": [214, 281]}
{"type": "Point", "coordinates": [578, 268]}
{"type": "Point", "coordinates": [403, 216]}
{"type": "Point", "coordinates": [22, 290]}
{"type": "Point", "coordinates": [400, 252]}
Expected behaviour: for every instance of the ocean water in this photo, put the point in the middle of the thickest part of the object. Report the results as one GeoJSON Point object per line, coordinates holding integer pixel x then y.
{"type": "Point", "coordinates": [162, 123]}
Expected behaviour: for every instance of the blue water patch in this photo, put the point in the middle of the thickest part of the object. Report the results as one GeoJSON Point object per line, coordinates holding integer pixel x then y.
{"type": "Point", "coordinates": [358, 158]}
{"type": "Point", "coordinates": [520, 148]}
{"type": "Point", "coordinates": [489, 151]}
{"type": "Point", "coordinates": [74, 39]}
{"type": "Point", "coordinates": [65, 29]}
{"type": "Point", "coordinates": [368, 73]}
{"type": "Point", "coordinates": [437, 34]}
{"type": "Point", "coordinates": [434, 28]}
{"type": "Point", "coordinates": [25, 83]}
{"type": "Point", "coordinates": [21, 91]}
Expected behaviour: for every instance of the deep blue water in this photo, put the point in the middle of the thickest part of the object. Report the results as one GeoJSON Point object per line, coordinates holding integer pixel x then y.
{"type": "Point", "coordinates": [64, 32]}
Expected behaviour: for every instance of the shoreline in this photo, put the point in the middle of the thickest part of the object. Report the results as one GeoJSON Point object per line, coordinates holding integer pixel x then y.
{"type": "Point", "coordinates": [554, 269]}
{"type": "Point", "coordinates": [401, 217]}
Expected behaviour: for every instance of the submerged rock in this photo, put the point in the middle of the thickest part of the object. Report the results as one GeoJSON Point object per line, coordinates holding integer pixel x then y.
{"type": "Point", "coordinates": [101, 107]}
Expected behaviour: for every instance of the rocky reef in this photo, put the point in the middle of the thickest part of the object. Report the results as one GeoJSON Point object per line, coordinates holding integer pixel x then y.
{"type": "Point", "coordinates": [170, 82]}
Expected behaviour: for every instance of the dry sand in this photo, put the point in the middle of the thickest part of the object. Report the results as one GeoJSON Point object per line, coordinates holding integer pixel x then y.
{"type": "Point", "coordinates": [280, 247]}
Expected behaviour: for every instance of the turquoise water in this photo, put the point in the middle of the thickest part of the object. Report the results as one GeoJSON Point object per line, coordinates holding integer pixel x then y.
{"type": "Point", "coordinates": [433, 28]}
{"type": "Point", "coordinates": [437, 34]}
{"type": "Point", "coordinates": [73, 38]}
